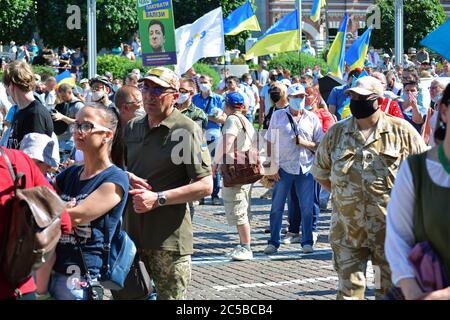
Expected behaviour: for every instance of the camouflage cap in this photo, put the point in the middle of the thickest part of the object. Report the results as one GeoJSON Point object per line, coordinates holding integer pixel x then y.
{"type": "Point", "coordinates": [164, 77]}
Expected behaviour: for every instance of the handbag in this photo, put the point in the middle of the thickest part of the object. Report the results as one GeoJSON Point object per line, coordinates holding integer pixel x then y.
{"type": "Point", "coordinates": [246, 168]}
{"type": "Point", "coordinates": [138, 285]}
{"type": "Point", "coordinates": [118, 257]}
{"type": "Point", "coordinates": [32, 227]}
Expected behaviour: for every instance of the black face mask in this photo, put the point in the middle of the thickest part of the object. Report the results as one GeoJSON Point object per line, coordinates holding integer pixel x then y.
{"type": "Point", "coordinates": [362, 108]}
{"type": "Point", "coordinates": [275, 96]}
{"type": "Point", "coordinates": [273, 78]}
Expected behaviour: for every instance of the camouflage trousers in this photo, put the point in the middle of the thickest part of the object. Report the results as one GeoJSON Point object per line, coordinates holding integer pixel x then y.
{"type": "Point", "coordinates": [170, 272]}
{"type": "Point", "coordinates": [350, 265]}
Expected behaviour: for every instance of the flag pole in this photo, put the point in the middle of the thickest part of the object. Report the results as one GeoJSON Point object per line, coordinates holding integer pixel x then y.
{"type": "Point", "coordinates": [298, 4]}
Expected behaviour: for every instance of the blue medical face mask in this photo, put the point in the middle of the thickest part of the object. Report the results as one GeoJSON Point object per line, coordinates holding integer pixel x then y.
{"type": "Point", "coordinates": [297, 104]}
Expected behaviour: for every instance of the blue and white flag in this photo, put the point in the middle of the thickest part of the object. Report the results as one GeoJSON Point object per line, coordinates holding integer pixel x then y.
{"type": "Point", "coordinates": [201, 39]}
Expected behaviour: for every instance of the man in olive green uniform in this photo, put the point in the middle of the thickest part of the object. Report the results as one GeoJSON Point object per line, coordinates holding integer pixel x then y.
{"type": "Point", "coordinates": [185, 105]}
{"type": "Point", "coordinates": [169, 166]}
{"type": "Point", "coordinates": [358, 160]}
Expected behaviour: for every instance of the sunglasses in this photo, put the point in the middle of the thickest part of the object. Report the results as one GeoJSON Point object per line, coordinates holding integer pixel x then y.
{"type": "Point", "coordinates": [86, 127]}
{"type": "Point", "coordinates": [155, 91]}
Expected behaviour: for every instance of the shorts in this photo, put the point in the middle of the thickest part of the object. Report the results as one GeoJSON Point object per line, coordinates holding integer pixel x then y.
{"type": "Point", "coordinates": [237, 204]}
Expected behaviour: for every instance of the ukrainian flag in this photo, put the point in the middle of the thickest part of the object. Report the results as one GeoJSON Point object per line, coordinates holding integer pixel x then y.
{"type": "Point", "coordinates": [65, 77]}
{"type": "Point", "coordinates": [241, 19]}
{"type": "Point", "coordinates": [356, 54]}
{"type": "Point", "coordinates": [281, 37]}
{"type": "Point", "coordinates": [336, 55]}
{"type": "Point", "coordinates": [315, 11]}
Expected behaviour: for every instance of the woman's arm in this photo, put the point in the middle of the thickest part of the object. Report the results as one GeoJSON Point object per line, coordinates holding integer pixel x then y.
{"type": "Point", "coordinates": [102, 200]}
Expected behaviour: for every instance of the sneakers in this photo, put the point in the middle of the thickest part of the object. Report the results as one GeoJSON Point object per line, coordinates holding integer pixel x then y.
{"type": "Point", "coordinates": [241, 254]}
{"type": "Point", "coordinates": [291, 238]}
{"type": "Point", "coordinates": [307, 248]}
{"type": "Point", "coordinates": [216, 202]}
{"type": "Point", "coordinates": [229, 254]}
{"type": "Point", "coordinates": [270, 249]}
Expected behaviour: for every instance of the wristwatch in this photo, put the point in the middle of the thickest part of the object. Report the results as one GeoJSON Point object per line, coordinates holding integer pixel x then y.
{"type": "Point", "coordinates": [161, 199]}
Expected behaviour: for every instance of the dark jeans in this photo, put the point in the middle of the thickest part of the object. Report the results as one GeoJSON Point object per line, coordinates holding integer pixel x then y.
{"type": "Point", "coordinates": [294, 216]}
{"type": "Point", "coordinates": [216, 178]}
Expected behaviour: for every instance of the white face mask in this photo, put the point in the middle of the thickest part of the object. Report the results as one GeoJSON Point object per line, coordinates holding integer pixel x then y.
{"type": "Point", "coordinates": [97, 96]}
{"type": "Point", "coordinates": [139, 112]}
{"type": "Point", "coordinates": [183, 98]}
{"type": "Point", "coordinates": [297, 103]}
{"type": "Point", "coordinates": [205, 87]}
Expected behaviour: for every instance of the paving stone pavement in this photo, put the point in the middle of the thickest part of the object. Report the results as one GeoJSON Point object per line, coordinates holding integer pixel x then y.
{"type": "Point", "coordinates": [287, 275]}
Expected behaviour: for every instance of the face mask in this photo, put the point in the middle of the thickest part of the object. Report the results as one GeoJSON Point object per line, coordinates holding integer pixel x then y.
{"type": "Point", "coordinates": [275, 96]}
{"type": "Point", "coordinates": [280, 77]}
{"type": "Point", "coordinates": [183, 98]}
{"type": "Point", "coordinates": [97, 96]}
{"type": "Point", "coordinates": [139, 112]}
{"type": "Point", "coordinates": [273, 78]}
{"type": "Point", "coordinates": [309, 108]}
{"type": "Point", "coordinates": [371, 50]}
{"type": "Point", "coordinates": [116, 87]}
{"type": "Point", "coordinates": [315, 72]}
{"type": "Point", "coordinates": [204, 87]}
{"type": "Point", "coordinates": [362, 108]}
{"type": "Point", "coordinates": [297, 103]}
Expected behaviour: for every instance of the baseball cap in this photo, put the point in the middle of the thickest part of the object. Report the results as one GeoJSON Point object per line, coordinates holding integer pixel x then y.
{"type": "Point", "coordinates": [234, 99]}
{"type": "Point", "coordinates": [84, 81]}
{"type": "Point", "coordinates": [296, 89]}
{"type": "Point", "coordinates": [164, 77]}
{"type": "Point", "coordinates": [386, 55]}
{"type": "Point", "coordinates": [367, 86]}
{"type": "Point", "coordinates": [41, 147]}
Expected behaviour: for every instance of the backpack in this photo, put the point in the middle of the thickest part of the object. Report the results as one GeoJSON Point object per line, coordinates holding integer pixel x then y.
{"type": "Point", "coordinates": [32, 228]}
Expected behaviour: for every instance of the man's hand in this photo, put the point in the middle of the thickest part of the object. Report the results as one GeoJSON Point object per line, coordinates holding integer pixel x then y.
{"type": "Point", "coordinates": [137, 182]}
{"type": "Point", "coordinates": [275, 177]}
{"type": "Point", "coordinates": [412, 101]}
{"type": "Point", "coordinates": [144, 200]}
{"type": "Point", "coordinates": [57, 116]}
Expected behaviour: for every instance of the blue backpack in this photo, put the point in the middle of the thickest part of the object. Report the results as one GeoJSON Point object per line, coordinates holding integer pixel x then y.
{"type": "Point", "coordinates": [118, 257]}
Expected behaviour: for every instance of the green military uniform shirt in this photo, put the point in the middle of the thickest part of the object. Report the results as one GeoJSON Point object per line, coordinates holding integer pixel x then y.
{"type": "Point", "coordinates": [362, 174]}
{"type": "Point", "coordinates": [197, 115]}
{"type": "Point", "coordinates": [168, 156]}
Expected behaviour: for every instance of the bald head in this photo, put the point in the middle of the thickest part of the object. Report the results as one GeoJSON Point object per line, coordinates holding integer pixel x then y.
{"type": "Point", "coordinates": [126, 95]}
{"type": "Point", "coordinates": [128, 100]}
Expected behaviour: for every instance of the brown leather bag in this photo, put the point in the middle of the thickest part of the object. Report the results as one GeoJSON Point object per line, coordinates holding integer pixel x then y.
{"type": "Point", "coordinates": [246, 168]}
{"type": "Point", "coordinates": [32, 228]}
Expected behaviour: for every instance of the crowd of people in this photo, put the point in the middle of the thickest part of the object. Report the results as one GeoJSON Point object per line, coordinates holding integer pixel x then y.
{"type": "Point", "coordinates": [376, 145]}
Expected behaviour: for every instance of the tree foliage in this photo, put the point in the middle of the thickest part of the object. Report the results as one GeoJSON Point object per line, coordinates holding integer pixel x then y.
{"type": "Point", "coordinates": [17, 20]}
{"type": "Point", "coordinates": [420, 17]}
{"type": "Point", "coordinates": [295, 63]}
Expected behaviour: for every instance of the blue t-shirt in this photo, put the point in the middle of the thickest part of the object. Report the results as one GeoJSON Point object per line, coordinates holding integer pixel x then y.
{"type": "Point", "coordinates": [217, 102]}
{"type": "Point", "coordinates": [91, 234]}
{"type": "Point", "coordinates": [337, 98]}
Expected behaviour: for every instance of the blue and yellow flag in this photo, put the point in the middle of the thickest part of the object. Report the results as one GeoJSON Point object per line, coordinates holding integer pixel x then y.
{"type": "Point", "coordinates": [315, 11]}
{"type": "Point", "coordinates": [436, 40]}
{"type": "Point", "coordinates": [241, 19]}
{"type": "Point", "coordinates": [356, 54]}
{"type": "Point", "coordinates": [283, 36]}
{"type": "Point", "coordinates": [65, 77]}
{"type": "Point", "coordinates": [336, 55]}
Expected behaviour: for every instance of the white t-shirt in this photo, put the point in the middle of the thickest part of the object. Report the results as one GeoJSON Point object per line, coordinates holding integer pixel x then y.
{"type": "Point", "coordinates": [399, 230]}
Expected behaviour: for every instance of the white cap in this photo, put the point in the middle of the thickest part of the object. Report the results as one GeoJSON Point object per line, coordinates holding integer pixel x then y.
{"type": "Point", "coordinates": [367, 86]}
{"type": "Point", "coordinates": [41, 147]}
{"type": "Point", "coordinates": [386, 55]}
{"type": "Point", "coordinates": [296, 89]}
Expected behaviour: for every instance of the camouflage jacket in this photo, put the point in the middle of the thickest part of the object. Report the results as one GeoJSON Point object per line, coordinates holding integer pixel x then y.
{"type": "Point", "coordinates": [362, 173]}
{"type": "Point", "coordinates": [197, 115]}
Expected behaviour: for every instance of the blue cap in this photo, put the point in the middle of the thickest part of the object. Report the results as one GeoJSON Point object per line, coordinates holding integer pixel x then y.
{"type": "Point", "coordinates": [234, 99]}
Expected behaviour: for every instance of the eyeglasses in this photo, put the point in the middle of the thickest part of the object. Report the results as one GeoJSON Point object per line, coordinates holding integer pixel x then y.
{"type": "Point", "coordinates": [155, 91]}
{"type": "Point", "coordinates": [86, 127]}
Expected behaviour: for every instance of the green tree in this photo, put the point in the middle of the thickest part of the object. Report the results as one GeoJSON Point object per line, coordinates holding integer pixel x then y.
{"type": "Point", "coordinates": [420, 18]}
{"type": "Point", "coordinates": [116, 22]}
{"type": "Point", "coordinates": [17, 20]}
{"type": "Point", "coordinates": [187, 11]}
{"type": "Point", "coordinates": [52, 23]}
